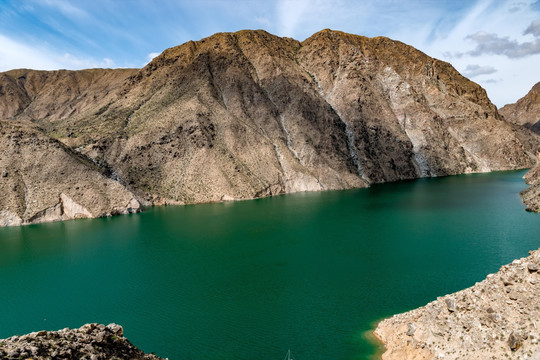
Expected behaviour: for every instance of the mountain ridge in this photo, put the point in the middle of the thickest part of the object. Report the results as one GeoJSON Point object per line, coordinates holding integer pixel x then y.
{"type": "Point", "coordinates": [250, 114]}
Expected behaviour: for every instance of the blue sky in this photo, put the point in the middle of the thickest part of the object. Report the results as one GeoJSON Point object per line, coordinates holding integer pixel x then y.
{"type": "Point", "coordinates": [494, 42]}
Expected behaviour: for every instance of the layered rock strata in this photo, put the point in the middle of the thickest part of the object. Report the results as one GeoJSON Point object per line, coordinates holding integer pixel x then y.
{"type": "Point", "coordinates": [249, 114]}
{"type": "Point", "coordinates": [497, 318]}
{"type": "Point", "coordinates": [90, 342]}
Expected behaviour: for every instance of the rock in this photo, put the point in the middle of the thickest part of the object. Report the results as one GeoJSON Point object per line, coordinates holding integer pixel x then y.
{"type": "Point", "coordinates": [411, 329]}
{"type": "Point", "coordinates": [526, 111]}
{"type": "Point", "coordinates": [515, 340]}
{"type": "Point", "coordinates": [532, 267]}
{"type": "Point", "coordinates": [487, 325]}
{"type": "Point", "coordinates": [5, 174]}
{"type": "Point", "coordinates": [91, 341]}
{"type": "Point", "coordinates": [450, 304]}
{"type": "Point", "coordinates": [268, 115]}
{"type": "Point", "coordinates": [116, 329]}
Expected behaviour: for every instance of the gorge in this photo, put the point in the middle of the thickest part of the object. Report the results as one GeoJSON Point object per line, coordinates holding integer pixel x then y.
{"type": "Point", "coordinates": [250, 115]}
{"type": "Point", "coordinates": [240, 116]}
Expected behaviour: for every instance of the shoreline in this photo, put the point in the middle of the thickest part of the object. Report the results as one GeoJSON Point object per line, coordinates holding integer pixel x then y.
{"type": "Point", "coordinates": [498, 317]}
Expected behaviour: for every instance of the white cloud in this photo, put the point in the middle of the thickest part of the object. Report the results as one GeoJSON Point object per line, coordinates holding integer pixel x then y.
{"type": "Point", "coordinates": [533, 29]}
{"type": "Point", "coordinates": [150, 57]}
{"type": "Point", "coordinates": [473, 70]}
{"type": "Point", "coordinates": [499, 34]}
{"type": "Point", "coordinates": [16, 55]}
{"type": "Point", "coordinates": [73, 62]}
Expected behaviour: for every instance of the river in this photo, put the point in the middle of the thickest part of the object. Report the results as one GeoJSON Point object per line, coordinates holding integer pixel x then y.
{"type": "Point", "coordinates": [310, 272]}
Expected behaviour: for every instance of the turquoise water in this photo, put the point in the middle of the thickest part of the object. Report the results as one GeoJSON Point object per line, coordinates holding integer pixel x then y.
{"type": "Point", "coordinates": [248, 280]}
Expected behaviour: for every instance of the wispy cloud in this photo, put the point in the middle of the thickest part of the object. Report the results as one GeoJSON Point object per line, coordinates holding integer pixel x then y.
{"type": "Point", "coordinates": [150, 57]}
{"type": "Point", "coordinates": [15, 55]}
{"type": "Point", "coordinates": [533, 29]}
{"type": "Point", "coordinates": [493, 44]}
{"type": "Point", "coordinates": [65, 7]}
{"type": "Point", "coordinates": [473, 70]}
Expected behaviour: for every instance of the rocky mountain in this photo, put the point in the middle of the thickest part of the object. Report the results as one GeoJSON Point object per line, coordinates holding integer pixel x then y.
{"type": "Point", "coordinates": [526, 111]}
{"type": "Point", "coordinates": [531, 195]}
{"type": "Point", "coordinates": [494, 319]}
{"type": "Point", "coordinates": [244, 115]}
{"type": "Point", "coordinates": [91, 341]}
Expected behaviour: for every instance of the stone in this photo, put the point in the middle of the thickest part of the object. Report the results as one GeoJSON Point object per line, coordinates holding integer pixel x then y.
{"type": "Point", "coordinates": [450, 304]}
{"type": "Point", "coordinates": [532, 267]}
{"type": "Point", "coordinates": [515, 340]}
{"type": "Point", "coordinates": [488, 326]}
{"type": "Point", "coordinates": [411, 329]}
{"type": "Point", "coordinates": [116, 329]}
{"type": "Point", "coordinates": [90, 341]}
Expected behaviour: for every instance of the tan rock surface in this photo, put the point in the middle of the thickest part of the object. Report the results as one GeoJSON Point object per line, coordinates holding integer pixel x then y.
{"type": "Point", "coordinates": [90, 341]}
{"type": "Point", "coordinates": [249, 114]}
{"type": "Point", "coordinates": [42, 180]}
{"type": "Point", "coordinates": [497, 318]}
{"type": "Point", "coordinates": [531, 195]}
{"type": "Point", "coordinates": [526, 111]}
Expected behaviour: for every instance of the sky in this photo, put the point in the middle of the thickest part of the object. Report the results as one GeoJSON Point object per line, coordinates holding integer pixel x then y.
{"type": "Point", "coordinates": [495, 43]}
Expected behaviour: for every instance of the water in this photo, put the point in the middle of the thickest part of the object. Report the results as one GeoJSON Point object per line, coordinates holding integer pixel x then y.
{"type": "Point", "coordinates": [248, 280]}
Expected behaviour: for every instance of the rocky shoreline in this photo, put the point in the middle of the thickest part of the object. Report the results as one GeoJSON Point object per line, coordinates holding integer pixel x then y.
{"type": "Point", "coordinates": [496, 318]}
{"type": "Point", "coordinates": [89, 342]}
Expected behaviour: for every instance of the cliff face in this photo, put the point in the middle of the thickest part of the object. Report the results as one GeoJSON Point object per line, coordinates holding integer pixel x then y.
{"type": "Point", "coordinates": [526, 111]}
{"type": "Point", "coordinates": [248, 114]}
{"type": "Point", "coordinates": [531, 195]}
{"type": "Point", "coordinates": [494, 319]}
{"type": "Point", "coordinates": [43, 180]}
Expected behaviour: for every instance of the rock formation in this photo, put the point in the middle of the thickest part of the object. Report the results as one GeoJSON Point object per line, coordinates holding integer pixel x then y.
{"type": "Point", "coordinates": [531, 195]}
{"type": "Point", "coordinates": [526, 111]}
{"type": "Point", "coordinates": [496, 318]}
{"type": "Point", "coordinates": [244, 115]}
{"type": "Point", "coordinates": [90, 342]}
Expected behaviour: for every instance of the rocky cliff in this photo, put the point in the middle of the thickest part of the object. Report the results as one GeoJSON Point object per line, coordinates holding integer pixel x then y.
{"type": "Point", "coordinates": [531, 195]}
{"type": "Point", "coordinates": [91, 342]}
{"type": "Point", "coordinates": [243, 115]}
{"type": "Point", "coordinates": [526, 111]}
{"type": "Point", "coordinates": [494, 319]}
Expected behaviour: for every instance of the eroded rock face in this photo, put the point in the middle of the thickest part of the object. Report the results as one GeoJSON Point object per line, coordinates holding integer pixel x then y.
{"type": "Point", "coordinates": [44, 181]}
{"type": "Point", "coordinates": [531, 195]}
{"type": "Point", "coordinates": [248, 114]}
{"type": "Point", "coordinates": [90, 342]}
{"type": "Point", "coordinates": [526, 111]}
{"type": "Point", "coordinates": [495, 319]}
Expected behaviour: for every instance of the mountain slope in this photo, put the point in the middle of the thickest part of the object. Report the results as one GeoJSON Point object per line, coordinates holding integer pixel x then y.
{"type": "Point", "coordinates": [249, 114]}
{"type": "Point", "coordinates": [526, 111]}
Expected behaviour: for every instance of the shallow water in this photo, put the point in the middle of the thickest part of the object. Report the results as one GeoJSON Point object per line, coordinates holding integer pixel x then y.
{"type": "Point", "coordinates": [309, 272]}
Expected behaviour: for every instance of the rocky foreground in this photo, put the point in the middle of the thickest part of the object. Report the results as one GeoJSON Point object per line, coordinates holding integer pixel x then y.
{"type": "Point", "coordinates": [497, 318]}
{"type": "Point", "coordinates": [90, 342]}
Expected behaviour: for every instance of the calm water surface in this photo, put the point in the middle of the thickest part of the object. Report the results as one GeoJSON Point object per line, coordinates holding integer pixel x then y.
{"type": "Point", "coordinates": [248, 280]}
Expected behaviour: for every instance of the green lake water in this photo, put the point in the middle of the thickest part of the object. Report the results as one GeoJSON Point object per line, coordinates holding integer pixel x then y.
{"type": "Point", "coordinates": [310, 272]}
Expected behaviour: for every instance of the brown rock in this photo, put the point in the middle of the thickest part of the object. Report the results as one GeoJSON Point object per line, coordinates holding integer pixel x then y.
{"type": "Point", "coordinates": [515, 340]}
{"type": "Point", "coordinates": [242, 115]}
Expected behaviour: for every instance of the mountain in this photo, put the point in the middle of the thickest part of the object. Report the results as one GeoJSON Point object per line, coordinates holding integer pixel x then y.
{"type": "Point", "coordinates": [526, 111]}
{"type": "Point", "coordinates": [244, 115]}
